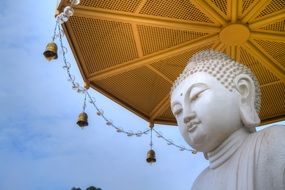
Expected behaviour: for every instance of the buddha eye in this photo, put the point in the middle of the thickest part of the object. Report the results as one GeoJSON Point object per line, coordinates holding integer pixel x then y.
{"type": "Point", "coordinates": [195, 97]}
{"type": "Point", "coordinates": [177, 109]}
{"type": "Point", "coordinates": [196, 93]}
{"type": "Point", "coordinates": [177, 112]}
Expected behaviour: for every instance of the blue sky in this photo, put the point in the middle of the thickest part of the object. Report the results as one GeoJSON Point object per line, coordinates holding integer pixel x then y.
{"type": "Point", "coordinates": [41, 147]}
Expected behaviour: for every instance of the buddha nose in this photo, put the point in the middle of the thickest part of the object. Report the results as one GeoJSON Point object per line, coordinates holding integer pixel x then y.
{"type": "Point", "coordinates": [187, 118]}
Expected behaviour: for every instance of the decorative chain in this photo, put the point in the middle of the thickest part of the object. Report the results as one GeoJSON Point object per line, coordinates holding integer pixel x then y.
{"type": "Point", "coordinates": [80, 89]}
{"type": "Point", "coordinates": [170, 142]}
{"type": "Point", "coordinates": [59, 33]}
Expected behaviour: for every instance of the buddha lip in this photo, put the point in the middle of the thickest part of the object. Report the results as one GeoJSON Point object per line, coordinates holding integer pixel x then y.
{"type": "Point", "coordinates": [192, 126]}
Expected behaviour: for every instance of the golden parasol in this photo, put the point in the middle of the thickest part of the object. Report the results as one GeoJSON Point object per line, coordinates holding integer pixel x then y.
{"type": "Point", "coordinates": [133, 50]}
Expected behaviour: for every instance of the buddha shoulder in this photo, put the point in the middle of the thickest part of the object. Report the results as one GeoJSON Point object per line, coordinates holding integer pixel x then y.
{"type": "Point", "coordinates": [273, 139]}
{"type": "Point", "coordinates": [271, 155]}
{"type": "Point", "coordinates": [270, 161]}
{"type": "Point", "coordinates": [273, 143]}
{"type": "Point", "coordinates": [202, 181]}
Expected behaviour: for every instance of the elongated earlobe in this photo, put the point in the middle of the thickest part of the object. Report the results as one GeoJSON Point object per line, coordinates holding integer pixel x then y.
{"type": "Point", "coordinates": [245, 86]}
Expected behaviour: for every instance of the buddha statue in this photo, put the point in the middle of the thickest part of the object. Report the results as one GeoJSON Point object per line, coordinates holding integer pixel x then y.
{"type": "Point", "coordinates": [216, 102]}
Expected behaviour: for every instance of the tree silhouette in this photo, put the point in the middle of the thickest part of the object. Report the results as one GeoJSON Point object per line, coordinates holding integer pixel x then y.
{"type": "Point", "coordinates": [88, 188]}
{"type": "Point", "coordinates": [75, 188]}
{"type": "Point", "coordinates": [93, 188]}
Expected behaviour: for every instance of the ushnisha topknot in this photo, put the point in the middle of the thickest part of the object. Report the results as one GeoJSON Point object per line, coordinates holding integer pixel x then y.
{"type": "Point", "coordinates": [220, 66]}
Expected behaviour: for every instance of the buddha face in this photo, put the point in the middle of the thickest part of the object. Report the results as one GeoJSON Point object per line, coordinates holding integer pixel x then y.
{"type": "Point", "coordinates": [206, 112]}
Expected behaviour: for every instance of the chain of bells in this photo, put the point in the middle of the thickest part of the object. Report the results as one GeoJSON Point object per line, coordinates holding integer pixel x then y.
{"type": "Point", "coordinates": [50, 54]}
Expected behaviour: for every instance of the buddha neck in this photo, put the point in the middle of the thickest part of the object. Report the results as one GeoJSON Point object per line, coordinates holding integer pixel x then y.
{"type": "Point", "coordinates": [223, 152]}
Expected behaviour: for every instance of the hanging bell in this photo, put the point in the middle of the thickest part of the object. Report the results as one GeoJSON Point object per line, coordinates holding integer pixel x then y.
{"type": "Point", "coordinates": [51, 51]}
{"type": "Point", "coordinates": [150, 156]}
{"type": "Point", "coordinates": [82, 120]}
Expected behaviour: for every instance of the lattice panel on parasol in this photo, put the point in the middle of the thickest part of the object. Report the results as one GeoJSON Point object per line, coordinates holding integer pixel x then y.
{"type": "Point", "coordinates": [113, 43]}
{"type": "Point", "coordinates": [246, 5]}
{"type": "Point", "coordinates": [128, 6]}
{"type": "Point", "coordinates": [273, 101]}
{"type": "Point", "coordinates": [221, 5]}
{"type": "Point", "coordinates": [277, 26]}
{"type": "Point", "coordinates": [145, 85]}
{"type": "Point", "coordinates": [263, 75]}
{"type": "Point", "coordinates": [166, 115]}
{"type": "Point", "coordinates": [273, 6]}
{"type": "Point", "coordinates": [184, 10]}
{"type": "Point", "coordinates": [156, 38]}
{"type": "Point", "coordinates": [173, 66]}
{"type": "Point", "coordinates": [275, 49]}
{"type": "Point", "coordinates": [246, 58]}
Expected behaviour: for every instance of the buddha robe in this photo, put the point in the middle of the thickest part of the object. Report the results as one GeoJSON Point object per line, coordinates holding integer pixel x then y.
{"type": "Point", "coordinates": [246, 161]}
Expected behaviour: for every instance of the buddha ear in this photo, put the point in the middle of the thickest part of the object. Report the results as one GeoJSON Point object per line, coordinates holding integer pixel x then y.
{"type": "Point", "coordinates": [245, 86]}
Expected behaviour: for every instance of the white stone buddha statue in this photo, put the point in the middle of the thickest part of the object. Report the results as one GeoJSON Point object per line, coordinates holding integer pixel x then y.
{"type": "Point", "coordinates": [216, 102]}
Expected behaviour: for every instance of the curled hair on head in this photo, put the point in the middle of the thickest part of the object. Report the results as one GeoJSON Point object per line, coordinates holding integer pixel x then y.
{"type": "Point", "coordinates": [221, 67]}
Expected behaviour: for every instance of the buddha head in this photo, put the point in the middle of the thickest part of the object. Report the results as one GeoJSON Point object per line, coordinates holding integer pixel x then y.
{"type": "Point", "coordinates": [212, 98]}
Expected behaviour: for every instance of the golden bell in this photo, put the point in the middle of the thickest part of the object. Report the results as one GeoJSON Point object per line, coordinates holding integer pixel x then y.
{"type": "Point", "coordinates": [82, 119]}
{"type": "Point", "coordinates": [51, 51]}
{"type": "Point", "coordinates": [150, 156]}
